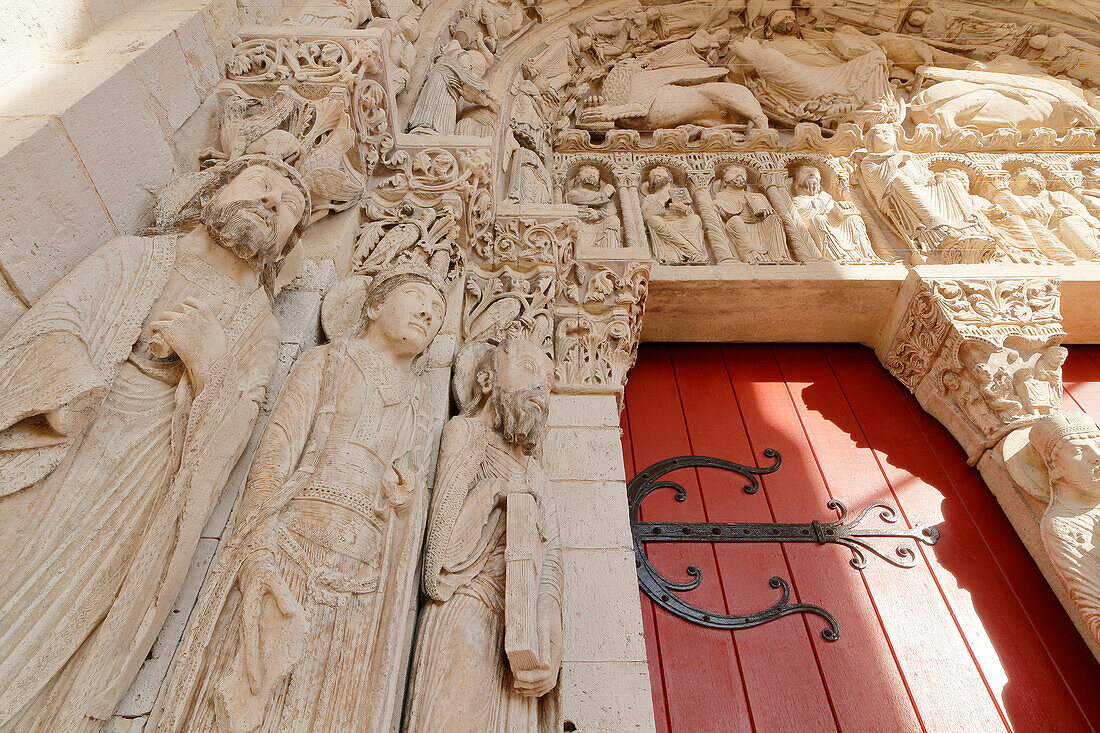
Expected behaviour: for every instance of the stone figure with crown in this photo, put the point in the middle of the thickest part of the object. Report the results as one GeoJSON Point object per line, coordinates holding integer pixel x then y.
{"type": "Point", "coordinates": [1058, 462]}
{"type": "Point", "coordinates": [306, 621]}
{"type": "Point", "coordinates": [127, 393]}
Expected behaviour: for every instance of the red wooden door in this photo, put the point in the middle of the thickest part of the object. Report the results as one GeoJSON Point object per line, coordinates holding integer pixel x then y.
{"type": "Point", "coordinates": [972, 639]}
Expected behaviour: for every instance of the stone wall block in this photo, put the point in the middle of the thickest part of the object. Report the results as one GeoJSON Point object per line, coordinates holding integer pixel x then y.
{"type": "Point", "coordinates": [584, 411]}
{"type": "Point", "coordinates": [603, 622]}
{"type": "Point", "coordinates": [51, 218]}
{"type": "Point", "coordinates": [584, 454]}
{"type": "Point", "coordinates": [606, 697]}
{"type": "Point", "coordinates": [592, 514]}
{"type": "Point", "coordinates": [123, 146]}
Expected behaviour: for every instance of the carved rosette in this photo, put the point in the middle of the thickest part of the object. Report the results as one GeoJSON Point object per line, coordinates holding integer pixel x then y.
{"type": "Point", "coordinates": [982, 356]}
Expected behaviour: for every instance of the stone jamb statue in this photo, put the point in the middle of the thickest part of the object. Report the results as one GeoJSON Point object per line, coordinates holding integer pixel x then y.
{"type": "Point", "coordinates": [489, 641]}
{"type": "Point", "coordinates": [127, 393]}
{"type": "Point", "coordinates": [306, 621]}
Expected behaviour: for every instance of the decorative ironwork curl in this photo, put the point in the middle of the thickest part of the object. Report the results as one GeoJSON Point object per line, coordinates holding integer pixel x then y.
{"type": "Point", "coordinates": [843, 531]}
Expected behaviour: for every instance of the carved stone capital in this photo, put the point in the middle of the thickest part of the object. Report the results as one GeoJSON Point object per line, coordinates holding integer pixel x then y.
{"type": "Point", "coordinates": [983, 356]}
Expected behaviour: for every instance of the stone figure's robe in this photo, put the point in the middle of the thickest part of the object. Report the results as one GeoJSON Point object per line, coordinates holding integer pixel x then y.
{"type": "Point", "coordinates": [935, 212]}
{"type": "Point", "coordinates": [436, 108]}
{"type": "Point", "coordinates": [758, 240]}
{"type": "Point", "coordinates": [344, 419]}
{"type": "Point", "coordinates": [460, 679]}
{"type": "Point", "coordinates": [797, 82]}
{"type": "Point", "coordinates": [99, 527]}
{"type": "Point", "coordinates": [1071, 535]}
{"type": "Point", "coordinates": [675, 239]}
{"type": "Point", "coordinates": [841, 236]}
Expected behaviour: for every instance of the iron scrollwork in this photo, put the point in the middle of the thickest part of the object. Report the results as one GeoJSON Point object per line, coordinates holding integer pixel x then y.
{"type": "Point", "coordinates": [843, 531]}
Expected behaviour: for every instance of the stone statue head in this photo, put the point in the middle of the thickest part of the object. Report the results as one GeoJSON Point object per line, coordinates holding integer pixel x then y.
{"type": "Point", "coordinates": [735, 176]}
{"type": "Point", "coordinates": [513, 379]}
{"type": "Point", "coordinates": [1070, 448]}
{"type": "Point", "coordinates": [254, 205]}
{"type": "Point", "coordinates": [881, 138]}
{"type": "Point", "coordinates": [659, 176]}
{"type": "Point", "coordinates": [1028, 181]}
{"type": "Point", "coordinates": [960, 175]}
{"type": "Point", "coordinates": [807, 180]}
{"type": "Point", "coordinates": [588, 176]}
{"type": "Point", "coordinates": [783, 22]}
{"type": "Point", "coordinates": [404, 308]}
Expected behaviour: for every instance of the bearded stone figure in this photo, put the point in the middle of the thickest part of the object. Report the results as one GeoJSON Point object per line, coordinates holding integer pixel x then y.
{"type": "Point", "coordinates": [127, 393]}
{"type": "Point", "coordinates": [752, 223]}
{"type": "Point", "coordinates": [675, 231]}
{"type": "Point", "coordinates": [1069, 449]}
{"type": "Point", "coordinates": [305, 623]}
{"type": "Point", "coordinates": [489, 641]}
{"type": "Point", "coordinates": [836, 226]}
{"type": "Point", "coordinates": [931, 209]}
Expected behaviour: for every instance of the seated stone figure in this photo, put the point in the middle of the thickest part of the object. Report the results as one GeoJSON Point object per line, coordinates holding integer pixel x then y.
{"type": "Point", "coordinates": [752, 224]}
{"type": "Point", "coordinates": [1060, 224]}
{"type": "Point", "coordinates": [836, 226]}
{"type": "Point", "coordinates": [600, 226]}
{"type": "Point", "coordinates": [931, 210]}
{"type": "Point", "coordinates": [127, 393]}
{"type": "Point", "coordinates": [675, 231]}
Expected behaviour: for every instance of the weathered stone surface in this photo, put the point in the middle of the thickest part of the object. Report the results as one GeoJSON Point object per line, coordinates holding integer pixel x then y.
{"type": "Point", "coordinates": [584, 454]}
{"type": "Point", "coordinates": [593, 514]}
{"type": "Point", "coordinates": [603, 622]}
{"type": "Point", "coordinates": [607, 696]}
{"type": "Point", "coordinates": [52, 216]}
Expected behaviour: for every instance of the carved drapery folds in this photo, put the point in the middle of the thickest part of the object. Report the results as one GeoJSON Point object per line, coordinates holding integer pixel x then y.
{"type": "Point", "coordinates": [983, 356]}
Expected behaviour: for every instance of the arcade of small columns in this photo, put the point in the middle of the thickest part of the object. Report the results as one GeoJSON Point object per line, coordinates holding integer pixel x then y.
{"type": "Point", "coordinates": [586, 238]}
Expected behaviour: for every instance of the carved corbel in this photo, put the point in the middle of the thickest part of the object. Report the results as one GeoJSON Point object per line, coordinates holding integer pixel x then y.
{"type": "Point", "coordinates": [982, 356]}
{"type": "Point", "coordinates": [598, 316]}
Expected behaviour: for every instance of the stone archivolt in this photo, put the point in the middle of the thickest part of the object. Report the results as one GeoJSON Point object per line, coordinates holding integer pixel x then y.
{"type": "Point", "coordinates": [558, 154]}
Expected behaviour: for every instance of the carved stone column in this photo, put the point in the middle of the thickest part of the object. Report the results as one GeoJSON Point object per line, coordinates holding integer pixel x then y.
{"type": "Point", "coordinates": [699, 184]}
{"type": "Point", "coordinates": [527, 282]}
{"type": "Point", "coordinates": [626, 186]}
{"type": "Point", "coordinates": [776, 185]}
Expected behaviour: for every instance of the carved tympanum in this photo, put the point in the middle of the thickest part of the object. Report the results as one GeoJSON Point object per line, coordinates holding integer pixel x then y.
{"type": "Point", "coordinates": [127, 393]}
{"type": "Point", "coordinates": [489, 641]}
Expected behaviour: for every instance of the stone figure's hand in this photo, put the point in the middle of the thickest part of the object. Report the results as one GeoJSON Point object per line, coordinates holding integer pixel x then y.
{"type": "Point", "coordinates": [396, 482]}
{"type": "Point", "coordinates": [539, 681]}
{"type": "Point", "coordinates": [260, 578]}
{"type": "Point", "coordinates": [192, 331]}
{"type": "Point", "coordinates": [588, 214]}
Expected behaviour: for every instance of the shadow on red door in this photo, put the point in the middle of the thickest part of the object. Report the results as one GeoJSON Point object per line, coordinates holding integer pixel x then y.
{"type": "Point", "coordinates": [971, 639]}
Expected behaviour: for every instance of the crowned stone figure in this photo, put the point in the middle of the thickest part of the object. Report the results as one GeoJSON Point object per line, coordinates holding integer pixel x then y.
{"type": "Point", "coordinates": [489, 641]}
{"type": "Point", "coordinates": [305, 623]}
{"type": "Point", "coordinates": [127, 393]}
{"type": "Point", "coordinates": [1069, 446]}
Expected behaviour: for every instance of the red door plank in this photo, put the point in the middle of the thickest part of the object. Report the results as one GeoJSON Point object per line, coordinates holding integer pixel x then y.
{"type": "Point", "coordinates": [1081, 378]}
{"type": "Point", "coordinates": [864, 683]}
{"type": "Point", "coordinates": [943, 680]}
{"type": "Point", "coordinates": [652, 649]}
{"type": "Point", "coordinates": [1077, 668]}
{"type": "Point", "coordinates": [1014, 665]}
{"type": "Point", "coordinates": [702, 679]}
{"type": "Point", "coordinates": [777, 661]}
